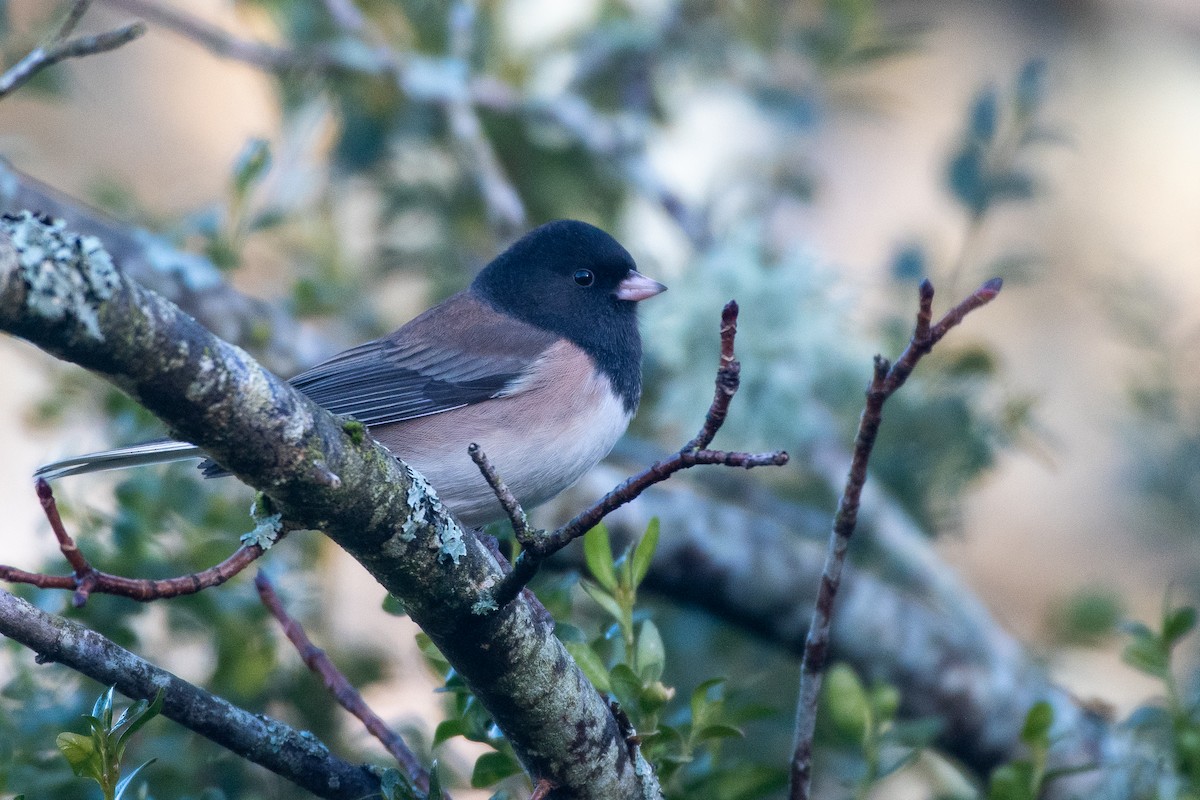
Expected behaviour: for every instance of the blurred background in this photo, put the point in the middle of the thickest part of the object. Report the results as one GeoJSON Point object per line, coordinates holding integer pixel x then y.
{"type": "Point", "coordinates": [812, 159]}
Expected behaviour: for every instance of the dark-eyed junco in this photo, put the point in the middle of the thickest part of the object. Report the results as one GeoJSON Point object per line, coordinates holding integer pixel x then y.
{"type": "Point", "coordinates": [539, 362]}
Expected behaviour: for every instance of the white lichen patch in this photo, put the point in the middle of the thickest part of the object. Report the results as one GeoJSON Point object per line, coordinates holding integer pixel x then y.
{"type": "Point", "coordinates": [67, 276]}
{"type": "Point", "coordinates": [486, 604]}
{"type": "Point", "coordinates": [428, 511]}
{"type": "Point", "coordinates": [208, 379]}
{"type": "Point", "coordinates": [267, 527]}
{"type": "Point", "coordinates": [486, 601]}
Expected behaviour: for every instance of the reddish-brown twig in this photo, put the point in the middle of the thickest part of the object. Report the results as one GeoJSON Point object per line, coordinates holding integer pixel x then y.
{"type": "Point", "coordinates": [542, 790]}
{"type": "Point", "coordinates": [886, 380]}
{"type": "Point", "coordinates": [539, 547]}
{"type": "Point", "coordinates": [337, 684]}
{"type": "Point", "coordinates": [88, 580]}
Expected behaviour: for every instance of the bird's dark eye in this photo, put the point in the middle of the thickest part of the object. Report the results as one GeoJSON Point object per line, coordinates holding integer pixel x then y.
{"type": "Point", "coordinates": [584, 277]}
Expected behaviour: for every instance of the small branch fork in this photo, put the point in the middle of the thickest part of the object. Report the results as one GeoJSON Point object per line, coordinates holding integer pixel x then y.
{"type": "Point", "coordinates": [87, 580]}
{"type": "Point", "coordinates": [338, 685]}
{"type": "Point", "coordinates": [538, 545]}
{"type": "Point", "coordinates": [60, 48]}
{"type": "Point", "coordinates": [887, 379]}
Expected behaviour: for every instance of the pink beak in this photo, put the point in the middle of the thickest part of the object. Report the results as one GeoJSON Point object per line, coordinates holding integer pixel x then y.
{"type": "Point", "coordinates": [637, 286]}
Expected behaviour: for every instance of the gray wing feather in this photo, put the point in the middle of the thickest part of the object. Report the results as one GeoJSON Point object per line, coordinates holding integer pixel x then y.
{"type": "Point", "coordinates": [162, 451]}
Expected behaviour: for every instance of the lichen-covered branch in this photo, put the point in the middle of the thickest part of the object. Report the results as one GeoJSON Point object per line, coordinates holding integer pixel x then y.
{"type": "Point", "coordinates": [295, 755]}
{"type": "Point", "coordinates": [63, 294]}
{"type": "Point", "coordinates": [189, 280]}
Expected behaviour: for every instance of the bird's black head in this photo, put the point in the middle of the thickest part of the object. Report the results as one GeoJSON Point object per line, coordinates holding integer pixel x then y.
{"type": "Point", "coordinates": [575, 280]}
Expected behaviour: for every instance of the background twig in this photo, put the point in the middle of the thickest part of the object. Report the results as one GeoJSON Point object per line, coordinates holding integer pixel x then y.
{"type": "Point", "coordinates": [60, 48]}
{"type": "Point", "coordinates": [347, 696]}
{"type": "Point", "coordinates": [886, 380]}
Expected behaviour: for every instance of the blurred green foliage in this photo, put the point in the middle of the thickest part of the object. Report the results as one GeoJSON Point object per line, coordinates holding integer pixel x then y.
{"type": "Point", "coordinates": [1171, 726]}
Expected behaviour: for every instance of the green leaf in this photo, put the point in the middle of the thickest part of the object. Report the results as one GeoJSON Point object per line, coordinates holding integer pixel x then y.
{"type": "Point", "coordinates": [985, 114]}
{"type": "Point", "coordinates": [448, 729]}
{"type": "Point", "coordinates": [102, 711]}
{"type": "Point", "coordinates": [626, 685]}
{"type": "Point", "coordinates": [566, 632]}
{"type": "Point", "coordinates": [885, 701]}
{"type": "Point", "coordinates": [252, 162]}
{"type": "Point", "coordinates": [430, 651]}
{"type": "Point", "coordinates": [135, 717]}
{"type": "Point", "coordinates": [1038, 722]}
{"type": "Point", "coordinates": [123, 784]}
{"type": "Point", "coordinates": [491, 768]}
{"type": "Point", "coordinates": [651, 653]}
{"type": "Point", "coordinates": [597, 552]}
{"type": "Point", "coordinates": [80, 752]}
{"type": "Point", "coordinates": [719, 731]}
{"type": "Point", "coordinates": [603, 599]}
{"type": "Point", "coordinates": [1178, 624]}
{"type": "Point", "coordinates": [915, 733]}
{"type": "Point", "coordinates": [1138, 630]}
{"type": "Point", "coordinates": [477, 722]}
{"type": "Point", "coordinates": [1148, 656]}
{"type": "Point", "coordinates": [1011, 782]}
{"type": "Point", "coordinates": [702, 702]}
{"type": "Point", "coordinates": [435, 780]}
{"type": "Point", "coordinates": [393, 606]}
{"type": "Point", "coordinates": [845, 700]}
{"type": "Point", "coordinates": [643, 554]}
{"type": "Point", "coordinates": [591, 664]}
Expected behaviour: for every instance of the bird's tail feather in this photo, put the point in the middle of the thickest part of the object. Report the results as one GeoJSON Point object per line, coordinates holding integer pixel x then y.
{"type": "Point", "coordinates": [162, 451]}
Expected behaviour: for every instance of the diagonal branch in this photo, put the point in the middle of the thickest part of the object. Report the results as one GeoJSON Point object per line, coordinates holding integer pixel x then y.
{"type": "Point", "coordinates": [337, 684]}
{"type": "Point", "coordinates": [295, 755]}
{"type": "Point", "coordinates": [887, 379]}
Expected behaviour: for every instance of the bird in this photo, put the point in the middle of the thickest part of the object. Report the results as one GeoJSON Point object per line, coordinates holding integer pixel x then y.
{"type": "Point", "coordinates": [538, 362]}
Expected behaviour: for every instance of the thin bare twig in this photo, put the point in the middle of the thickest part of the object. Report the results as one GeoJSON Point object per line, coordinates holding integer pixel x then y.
{"type": "Point", "coordinates": [78, 9]}
{"type": "Point", "coordinates": [87, 580]}
{"type": "Point", "coordinates": [729, 378]}
{"type": "Point", "coordinates": [887, 379]}
{"type": "Point", "coordinates": [541, 547]}
{"type": "Point", "coordinates": [337, 684]}
{"type": "Point", "coordinates": [259, 54]}
{"type": "Point", "coordinates": [60, 48]}
{"type": "Point", "coordinates": [508, 501]}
